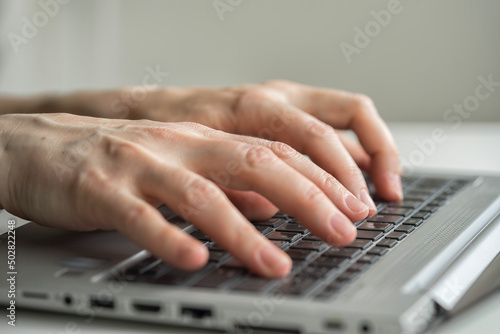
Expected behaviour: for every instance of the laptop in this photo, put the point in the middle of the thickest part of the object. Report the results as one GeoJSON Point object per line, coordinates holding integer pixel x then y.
{"type": "Point", "coordinates": [412, 264]}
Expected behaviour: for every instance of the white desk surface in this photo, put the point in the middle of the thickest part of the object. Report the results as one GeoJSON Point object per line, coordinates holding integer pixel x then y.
{"type": "Point", "coordinates": [470, 147]}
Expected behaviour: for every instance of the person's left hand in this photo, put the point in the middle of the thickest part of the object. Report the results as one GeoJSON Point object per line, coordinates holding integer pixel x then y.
{"type": "Point", "coordinates": [301, 116]}
{"type": "Point", "coordinates": [304, 117]}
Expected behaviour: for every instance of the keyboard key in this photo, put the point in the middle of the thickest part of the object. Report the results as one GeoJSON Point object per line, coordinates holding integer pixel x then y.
{"type": "Point", "coordinates": [368, 258]}
{"type": "Point", "coordinates": [396, 211]}
{"type": "Point", "coordinates": [179, 222]}
{"type": "Point", "coordinates": [405, 228]}
{"type": "Point", "coordinates": [175, 277]}
{"type": "Point", "coordinates": [389, 243]}
{"type": "Point", "coordinates": [273, 222]}
{"type": "Point", "coordinates": [385, 219]}
{"type": "Point", "coordinates": [430, 208]}
{"type": "Point", "coordinates": [413, 196]}
{"type": "Point", "coordinates": [372, 226]}
{"type": "Point", "coordinates": [329, 290]}
{"type": "Point", "coordinates": [233, 263]}
{"type": "Point", "coordinates": [218, 276]}
{"type": "Point", "coordinates": [291, 228]}
{"type": "Point", "coordinates": [280, 243]}
{"type": "Point", "coordinates": [316, 271]}
{"type": "Point", "coordinates": [413, 221]}
{"type": "Point", "coordinates": [357, 267]}
{"type": "Point", "coordinates": [342, 252]}
{"type": "Point", "coordinates": [216, 256]}
{"type": "Point", "coordinates": [396, 235]}
{"type": "Point", "coordinates": [405, 204]}
{"type": "Point", "coordinates": [200, 236]}
{"type": "Point", "coordinates": [438, 201]}
{"type": "Point", "coordinates": [300, 254]}
{"type": "Point", "coordinates": [378, 251]}
{"type": "Point", "coordinates": [263, 229]}
{"type": "Point", "coordinates": [372, 235]}
{"type": "Point", "coordinates": [330, 262]}
{"type": "Point", "coordinates": [252, 283]}
{"type": "Point", "coordinates": [285, 236]}
{"type": "Point", "coordinates": [360, 243]}
{"type": "Point", "coordinates": [311, 237]}
{"type": "Point", "coordinates": [421, 214]}
{"type": "Point", "coordinates": [281, 215]}
{"type": "Point", "coordinates": [309, 244]}
{"type": "Point", "coordinates": [346, 276]}
{"type": "Point", "coordinates": [142, 266]}
{"type": "Point", "coordinates": [296, 285]}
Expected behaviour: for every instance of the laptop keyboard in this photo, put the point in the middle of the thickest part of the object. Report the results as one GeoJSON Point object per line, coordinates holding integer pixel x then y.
{"type": "Point", "coordinates": [319, 270]}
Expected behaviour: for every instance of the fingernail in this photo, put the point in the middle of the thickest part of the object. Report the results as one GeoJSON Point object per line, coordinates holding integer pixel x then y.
{"type": "Point", "coordinates": [354, 204]}
{"type": "Point", "coordinates": [365, 197]}
{"type": "Point", "coordinates": [343, 229]}
{"type": "Point", "coordinates": [395, 184]}
{"type": "Point", "coordinates": [277, 262]}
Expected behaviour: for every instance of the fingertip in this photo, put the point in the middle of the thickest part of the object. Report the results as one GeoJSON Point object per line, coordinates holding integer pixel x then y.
{"type": "Point", "coordinates": [275, 262]}
{"type": "Point", "coordinates": [392, 185]}
{"type": "Point", "coordinates": [192, 255]}
{"type": "Point", "coordinates": [342, 231]}
{"type": "Point", "coordinates": [365, 197]}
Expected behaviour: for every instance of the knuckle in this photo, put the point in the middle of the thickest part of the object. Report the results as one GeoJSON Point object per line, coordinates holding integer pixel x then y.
{"type": "Point", "coordinates": [282, 150]}
{"type": "Point", "coordinates": [258, 156]}
{"type": "Point", "coordinates": [320, 129]}
{"type": "Point", "coordinates": [363, 103]}
{"type": "Point", "coordinates": [330, 184]}
{"type": "Point", "coordinates": [134, 216]}
{"type": "Point", "coordinates": [199, 193]}
{"type": "Point", "coordinates": [313, 194]}
{"type": "Point", "coordinates": [120, 148]}
{"type": "Point", "coordinates": [90, 179]}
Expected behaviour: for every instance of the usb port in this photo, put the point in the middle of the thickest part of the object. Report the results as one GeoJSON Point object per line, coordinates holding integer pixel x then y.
{"type": "Point", "coordinates": [196, 313]}
{"type": "Point", "coordinates": [102, 303]}
{"type": "Point", "coordinates": [147, 307]}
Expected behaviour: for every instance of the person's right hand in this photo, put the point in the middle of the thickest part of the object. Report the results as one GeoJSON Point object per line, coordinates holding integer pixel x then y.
{"type": "Point", "coordinates": [85, 173]}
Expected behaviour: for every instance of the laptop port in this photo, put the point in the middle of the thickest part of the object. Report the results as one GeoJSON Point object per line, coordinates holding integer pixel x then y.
{"type": "Point", "coordinates": [365, 327]}
{"type": "Point", "coordinates": [335, 325]}
{"type": "Point", "coordinates": [245, 328]}
{"type": "Point", "coordinates": [147, 307]}
{"type": "Point", "coordinates": [196, 313]}
{"type": "Point", "coordinates": [102, 303]}
{"type": "Point", "coordinates": [35, 295]}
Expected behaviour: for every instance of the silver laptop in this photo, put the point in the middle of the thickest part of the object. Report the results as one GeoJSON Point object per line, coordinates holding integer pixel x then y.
{"type": "Point", "coordinates": [413, 263]}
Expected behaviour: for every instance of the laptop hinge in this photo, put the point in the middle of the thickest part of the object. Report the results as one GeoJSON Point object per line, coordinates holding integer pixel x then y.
{"type": "Point", "coordinates": [453, 285]}
{"type": "Point", "coordinates": [425, 277]}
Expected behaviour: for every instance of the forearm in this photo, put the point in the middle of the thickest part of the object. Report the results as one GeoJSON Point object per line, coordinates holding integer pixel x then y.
{"type": "Point", "coordinates": [123, 103]}
{"type": "Point", "coordinates": [85, 104]}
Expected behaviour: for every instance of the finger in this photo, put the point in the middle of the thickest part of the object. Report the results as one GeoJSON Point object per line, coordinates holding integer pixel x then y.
{"type": "Point", "coordinates": [357, 112]}
{"type": "Point", "coordinates": [336, 192]}
{"type": "Point", "coordinates": [252, 205]}
{"type": "Point", "coordinates": [205, 205]}
{"type": "Point", "coordinates": [262, 171]}
{"type": "Point", "coordinates": [145, 226]}
{"type": "Point", "coordinates": [356, 151]}
{"type": "Point", "coordinates": [312, 137]}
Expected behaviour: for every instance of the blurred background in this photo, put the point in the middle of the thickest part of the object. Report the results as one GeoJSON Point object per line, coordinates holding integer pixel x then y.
{"type": "Point", "coordinates": [414, 58]}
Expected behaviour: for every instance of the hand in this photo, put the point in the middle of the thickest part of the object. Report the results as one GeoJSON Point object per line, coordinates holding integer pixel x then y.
{"type": "Point", "coordinates": [85, 173]}
{"type": "Point", "coordinates": [301, 116]}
